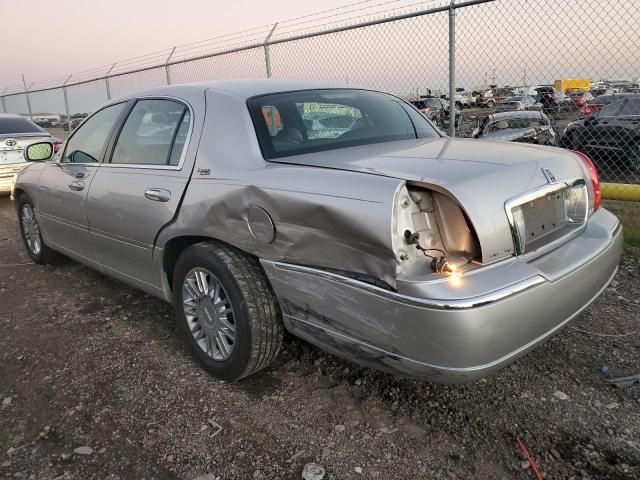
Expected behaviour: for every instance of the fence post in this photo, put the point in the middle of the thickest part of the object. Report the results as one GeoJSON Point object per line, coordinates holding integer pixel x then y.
{"type": "Point", "coordinates": [106, 81]}
{"type": "Point", "coordinates": [452, 69]}
{"type": "Point", "coordinates": [167, 69]}
{"type": "Point", "coordinates": [66, 101]}
{"type": "Point", "coordinates": [26, 92]}
{"type": "Point", "coordinates": [4, 105]}
{"type": "Point", "coordinates": [267, 57]}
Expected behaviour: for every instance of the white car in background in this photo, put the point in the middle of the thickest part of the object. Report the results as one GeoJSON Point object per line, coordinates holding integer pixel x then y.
{"type": "Point", "coordinates": [16, 133]}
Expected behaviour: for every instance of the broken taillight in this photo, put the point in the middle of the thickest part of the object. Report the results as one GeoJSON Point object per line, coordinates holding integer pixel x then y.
{"type": "Point", "coordinates": [595, 181]}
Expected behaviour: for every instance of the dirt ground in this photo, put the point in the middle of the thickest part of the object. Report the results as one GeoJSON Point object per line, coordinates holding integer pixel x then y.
{"type": "Point", "coordinates": [95, 383]}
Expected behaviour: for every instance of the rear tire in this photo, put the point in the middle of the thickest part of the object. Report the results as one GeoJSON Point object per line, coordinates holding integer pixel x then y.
{"type": "Point", "coordinates": [39, 252]}
{"type": "Point", "coordinates": [235, 329]}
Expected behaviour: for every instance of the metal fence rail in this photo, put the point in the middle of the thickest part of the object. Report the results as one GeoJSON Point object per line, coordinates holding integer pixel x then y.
{"type": "Point", "coordinates": [474, 53]}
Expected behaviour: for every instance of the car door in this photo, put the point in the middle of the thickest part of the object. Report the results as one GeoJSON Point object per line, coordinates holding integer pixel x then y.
{"type": "Point", "coordinates": [138, 190]}
{"type": "Point", "coordinates": [600, 132]}
{"type": "Point", "coordinates": [64, 185]}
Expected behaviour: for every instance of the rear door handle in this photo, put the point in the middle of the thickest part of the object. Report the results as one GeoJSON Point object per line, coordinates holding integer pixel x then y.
{"type": "Point", "coordinates": [77, 186]}
{"type": "Point", "coordinates": [157, 194]}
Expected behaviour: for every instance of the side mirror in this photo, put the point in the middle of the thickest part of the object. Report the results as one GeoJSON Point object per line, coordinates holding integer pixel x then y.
{"type": "Point", "coordinates": [38, 152]}
{"type": "Point", "coordinates": [476, 132]}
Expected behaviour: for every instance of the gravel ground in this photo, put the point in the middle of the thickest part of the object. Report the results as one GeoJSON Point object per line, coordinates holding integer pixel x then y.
{"type": "Point", "coordinates": [95, 383]}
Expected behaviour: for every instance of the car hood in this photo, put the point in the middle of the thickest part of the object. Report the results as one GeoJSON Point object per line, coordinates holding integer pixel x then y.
{"type": "Point", "coordinates": [480, 175]}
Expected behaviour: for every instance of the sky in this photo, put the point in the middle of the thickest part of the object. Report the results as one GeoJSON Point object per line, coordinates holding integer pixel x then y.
{"type": "Point", "coordinates": [58, 37]}
{"type": "Point", "coordinates": [507, 42]}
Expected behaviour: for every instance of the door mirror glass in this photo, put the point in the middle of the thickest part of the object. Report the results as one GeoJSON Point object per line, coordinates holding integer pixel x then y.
{"type": "Point", "coordinates": [38, 152]}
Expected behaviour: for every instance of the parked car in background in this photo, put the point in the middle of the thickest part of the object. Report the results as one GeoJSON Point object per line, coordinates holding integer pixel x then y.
{"type": "Point", "coordinates": [391, 244]}
{"type": "Point", "coordinates": [16, 132]}
{"type": "Point", "coordinates": [74, 123]}
{"type": "Point", "coordinates": [523, 126]}
{"type": "Point", "coordinates": [437, 110]}
{"type": "Point", "coordinates": [595, 104]}
{"type": "Point", "coordinates": [484, 98]}
{"type": "Point", "coordinates": [462, 98]}
{"type": "Point", "coordinates": [553, 102]}
{"type": "Point", "coordinates": [580, 98]}
{"type": "Point", "coordinates": [610, 136]}
{"type": "Point", "coordinates": [518, 103]}
{"type": "Point", "coordinates": [500, 94]}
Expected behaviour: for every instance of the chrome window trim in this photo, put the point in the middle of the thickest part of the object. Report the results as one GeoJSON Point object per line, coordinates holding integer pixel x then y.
{"type": "Point", "coordinates": [439, 304]}
{"type": "Point", "coordinates": [187, 141]}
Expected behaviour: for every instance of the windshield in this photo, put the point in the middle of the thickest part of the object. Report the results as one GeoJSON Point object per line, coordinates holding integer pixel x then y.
{"type": "Point", "coordinates": [512, 123]}
{"type": "Point", "coordinates": [16, 125]}
{"type": "Point", "coordinates": [309, 121]}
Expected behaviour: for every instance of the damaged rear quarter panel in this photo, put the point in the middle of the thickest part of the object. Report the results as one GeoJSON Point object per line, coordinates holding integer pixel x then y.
{"type": "Point", "coordinates": [323, 217]}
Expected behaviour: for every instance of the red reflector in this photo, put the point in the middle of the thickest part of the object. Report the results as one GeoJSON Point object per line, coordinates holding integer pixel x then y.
{"type": "Point", "coordinates": [595, 181]}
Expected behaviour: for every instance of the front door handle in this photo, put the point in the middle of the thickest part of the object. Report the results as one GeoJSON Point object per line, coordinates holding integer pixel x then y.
{"type": "Point", "coordinates": [157, 194]}
{"type": "Point", "coordinates": [77, 186]}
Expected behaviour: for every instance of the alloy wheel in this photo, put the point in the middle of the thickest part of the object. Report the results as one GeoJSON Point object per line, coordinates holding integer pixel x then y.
{"type": "Point", "coordinates": [209, 313]}
{"type": "Point", "coordinates": [31, 229]}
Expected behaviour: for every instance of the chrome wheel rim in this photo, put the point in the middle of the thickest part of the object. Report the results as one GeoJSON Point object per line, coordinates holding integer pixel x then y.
{"type": "Point", "coordinates": [31, 229]}
{"type": "Point", "coordinates": [209, 313]}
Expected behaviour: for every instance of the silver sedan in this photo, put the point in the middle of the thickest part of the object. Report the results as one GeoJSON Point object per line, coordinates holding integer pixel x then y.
{"type": "Point", "coordinates": [382, 241]}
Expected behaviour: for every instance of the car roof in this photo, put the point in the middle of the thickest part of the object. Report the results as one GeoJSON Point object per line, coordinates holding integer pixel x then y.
{"type": "Point", "coordinates": [242, 88]}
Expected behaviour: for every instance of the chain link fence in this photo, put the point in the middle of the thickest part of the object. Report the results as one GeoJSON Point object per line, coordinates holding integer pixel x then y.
{"type": "Point", "coordinates": [551, 72]}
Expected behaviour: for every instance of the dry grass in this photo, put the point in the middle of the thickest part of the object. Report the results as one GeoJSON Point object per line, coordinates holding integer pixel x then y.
{"type": "Point", "coordinates": [629, 215]}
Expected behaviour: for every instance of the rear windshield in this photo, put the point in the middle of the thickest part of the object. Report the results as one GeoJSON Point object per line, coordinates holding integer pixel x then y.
{"type": "Point", "coordinates": [15, 125]}
{"type": "Point", "coordinates": [307, 121]}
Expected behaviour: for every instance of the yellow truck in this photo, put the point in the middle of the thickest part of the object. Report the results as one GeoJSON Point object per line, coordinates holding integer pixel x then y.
{"type": "Point", "coordinates": [573, 84]}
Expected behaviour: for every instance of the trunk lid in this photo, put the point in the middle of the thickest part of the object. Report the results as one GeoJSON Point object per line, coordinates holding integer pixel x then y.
{"type": "Point", "coordinates": [480, 175]}
{"type": "Point", "coordinates": [12, 147]}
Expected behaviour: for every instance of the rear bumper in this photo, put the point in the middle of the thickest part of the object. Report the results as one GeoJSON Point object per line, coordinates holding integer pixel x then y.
{"type": "Point", "coordinates": [448, 333]}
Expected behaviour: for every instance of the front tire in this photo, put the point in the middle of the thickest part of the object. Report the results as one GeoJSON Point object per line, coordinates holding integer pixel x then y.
{"type": "Point", "coordinates": [31, 234]}
{"type": "Point", "coordinates": [226, 309]}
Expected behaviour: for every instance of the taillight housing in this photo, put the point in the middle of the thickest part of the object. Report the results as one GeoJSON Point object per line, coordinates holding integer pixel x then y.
{"type": "Point", "coordinates": [595, 181]}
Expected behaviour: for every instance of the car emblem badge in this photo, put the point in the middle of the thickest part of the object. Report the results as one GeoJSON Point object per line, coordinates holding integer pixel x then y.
{"type": "Point", "coordinates": [11, 142]}
{"type": "Point", "coordinates": [548, 175]}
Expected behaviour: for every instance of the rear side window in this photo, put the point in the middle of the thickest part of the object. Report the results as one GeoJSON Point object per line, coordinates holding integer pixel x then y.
{"type": "Point", "coordinates": [610, 110]}
{"type": "Point", "coordinates": [307, 121]}
{"type": "Point", "coordinates": [17, 125]}
{"type": "Point", "coordinates": [631, 107]}
{"type": "Point", "coordinates": [88, 141]}
{"type": "Point", "coordinates": [154, 134]}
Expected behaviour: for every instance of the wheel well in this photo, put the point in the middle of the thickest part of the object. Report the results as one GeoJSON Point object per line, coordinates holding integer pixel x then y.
{"type": "Point", "coordinates": [174, 248]}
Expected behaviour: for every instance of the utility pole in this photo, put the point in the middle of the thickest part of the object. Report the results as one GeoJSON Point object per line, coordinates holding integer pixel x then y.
{"type": "Point", "coordinates": [452, 69]}
{"type": "Point", "coordinates": [26, 92]}
{"type": "Point", "coordinates": [167, 70]}
{"type": "Point", "coordinates": [267, 56]}
{"type": "Point", "coordinates": [66, 101]}
{"type": "Point", "coordinates": [106, 82]}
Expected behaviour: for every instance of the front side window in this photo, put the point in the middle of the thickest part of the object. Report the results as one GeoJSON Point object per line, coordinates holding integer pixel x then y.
{"type": "Point", "coordinates": [88, 141]}
{"type": "Point", "coordinates": [154, 134]}
{"type": "Point", "coordinates": [309, 121]}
